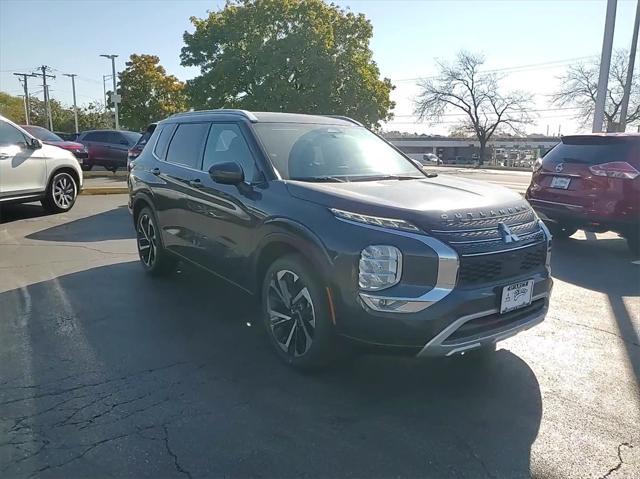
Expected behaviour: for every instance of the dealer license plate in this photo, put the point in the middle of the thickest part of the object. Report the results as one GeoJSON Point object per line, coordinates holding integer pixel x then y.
{"type": "Point", "coordinates": [515, 296]}
{"type": "Point", "coordinates": [560, 182]}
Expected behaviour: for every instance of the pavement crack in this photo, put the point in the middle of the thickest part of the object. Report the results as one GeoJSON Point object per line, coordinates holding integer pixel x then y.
{"type": "Point", "coordinates": [620, 461]}
{"type": "Point", "coordinates": [176, 463]}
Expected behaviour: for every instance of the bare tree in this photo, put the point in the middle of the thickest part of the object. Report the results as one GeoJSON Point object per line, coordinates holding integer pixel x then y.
{"type": "Point", "coordinates": [579, 86]}
{"type": "Point", "coordinates": [463, 87]}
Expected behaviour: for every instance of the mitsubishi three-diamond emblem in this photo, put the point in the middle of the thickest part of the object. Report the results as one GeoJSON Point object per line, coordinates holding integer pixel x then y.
{"type": "Point", "coordinates": [507, 235]}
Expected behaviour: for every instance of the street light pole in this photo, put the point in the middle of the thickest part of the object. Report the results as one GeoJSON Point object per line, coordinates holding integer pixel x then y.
{"type": "Point", "coordinates": [630, 66]}
{"type": "Point", "coordinates": [115, 94]}
{"type": "Point", "coordinates": [75, 107]}
{"type": "Point", "coordinates": [605, 62]}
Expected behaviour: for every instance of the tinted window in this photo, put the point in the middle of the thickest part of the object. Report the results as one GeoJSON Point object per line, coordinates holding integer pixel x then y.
{"type": "Point", "coordinates": [305, 151]}
{"type": "Point", "coordinates": [131, 137]}
{"type": "Point", "coordinates": [163, 140]}
{"type": "Point", "coordinates": [9, 135]}
{"type": "Point", "coordinates": [186, 145]}
{"type": "Point", "coordinates": [102, 136]}
{"type": "Point", "coordinates": [226, 143]}
{"type": "Point", "coordinates": [42, 133]}
{"type": "Point", "coordinates": [591, 152]}
{"type": "Point", "coordinates": [146, 135]}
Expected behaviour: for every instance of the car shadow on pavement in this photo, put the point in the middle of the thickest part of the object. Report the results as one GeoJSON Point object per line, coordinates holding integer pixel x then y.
{"type": "Point", "coordinates": [176, 372]}
{"type": "Point", "coordinates": [604, 265]}
{"type": "Point", "coordinates": [9, 213]}
{"type": "Point", "coordinates": [108, 225]}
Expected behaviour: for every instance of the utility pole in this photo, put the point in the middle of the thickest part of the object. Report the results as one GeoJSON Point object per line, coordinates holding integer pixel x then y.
{"type": "Point", "coordinates": [75, 107]}
{"type": "Point", "coordinates": [25, 86]}
{"type": "Point", "coordinates": [47, 107]}
{"type": "Point", "coordinates": [630, 66]}
{"type": "Point", "coordinates": [605, 63]}
{"type": "Point", "coordinates": [115, 96]}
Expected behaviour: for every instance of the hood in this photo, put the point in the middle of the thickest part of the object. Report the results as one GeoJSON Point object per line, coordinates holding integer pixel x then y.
{"type": "Point", "coordinates": [67, 145]}
{"type": "Point", "coordinates": [423, 201]}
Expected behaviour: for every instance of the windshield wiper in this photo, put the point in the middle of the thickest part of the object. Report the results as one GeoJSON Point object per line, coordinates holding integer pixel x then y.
{"type": "Point", "coordinates": [320, 179]}
{"type": "Point", "coordinates": [387, 177]}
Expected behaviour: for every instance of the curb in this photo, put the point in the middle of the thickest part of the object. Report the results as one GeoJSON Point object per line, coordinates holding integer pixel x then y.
{"type": "Point", "coordinates": [106, 190]}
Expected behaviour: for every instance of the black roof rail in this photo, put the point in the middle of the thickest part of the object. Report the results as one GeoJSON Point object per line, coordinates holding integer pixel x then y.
{"type": "Point", "coordinates": [247, 114]}
{"type": "Point", "coordinates": [345, 118]}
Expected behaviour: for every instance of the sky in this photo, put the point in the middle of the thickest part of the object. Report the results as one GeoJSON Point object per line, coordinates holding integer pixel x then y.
{"type": "Point", "coordinates": [531, 41]}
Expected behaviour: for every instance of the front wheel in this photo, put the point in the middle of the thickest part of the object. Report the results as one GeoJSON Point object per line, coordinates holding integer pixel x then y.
{"type": "Point", "coordinates": [297, 315]}
{"type": "Point", "coordinates": [61, 193]}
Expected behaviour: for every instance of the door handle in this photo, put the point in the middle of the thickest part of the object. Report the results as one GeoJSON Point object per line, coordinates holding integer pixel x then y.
{"type": "Point", "coordinates": [156, 171]}
{"type": "Point", "coordinates": [195, 183]}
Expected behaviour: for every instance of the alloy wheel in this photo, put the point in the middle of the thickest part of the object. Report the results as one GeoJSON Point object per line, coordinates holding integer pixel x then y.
{"type": "Point", "coordinates": [291, 313]}
{"type": "Point", "coordinates": [147, 245]}
{"type": "Point", "coordinates": [64, 191]}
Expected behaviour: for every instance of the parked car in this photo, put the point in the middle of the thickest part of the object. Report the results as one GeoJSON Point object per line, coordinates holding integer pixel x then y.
{"type": "Point", "coordinates": [78, 149]}
{"type": "Point", "coordinates": [31, 170]}
{"type": "Point", "coordinates": [341, 236]}
{"type": "Point", "coordinates": [136, 149]}
{"type": "Point", "coordinates": [590, 182]}
{"type": "Point", "coordinates": [429, 159]}
{"type": "Point", "coordinates": [108, 148]}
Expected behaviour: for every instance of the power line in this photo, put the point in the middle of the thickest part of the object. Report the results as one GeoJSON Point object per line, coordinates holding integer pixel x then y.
{"type": "Point", "coordinates": [533, 66]}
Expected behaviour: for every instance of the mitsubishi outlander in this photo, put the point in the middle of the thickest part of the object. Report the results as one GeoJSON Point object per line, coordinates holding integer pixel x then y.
{"type": "Point", "coordinates": [339, 234]}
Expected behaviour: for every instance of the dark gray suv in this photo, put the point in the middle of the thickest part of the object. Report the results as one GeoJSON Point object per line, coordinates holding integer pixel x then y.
{"type": "Point", "coordinates": [342, 238]}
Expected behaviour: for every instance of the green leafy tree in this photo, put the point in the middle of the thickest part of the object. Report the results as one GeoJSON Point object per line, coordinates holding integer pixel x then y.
{"type": "Point", "coordinates": [148, 93]}
{"type": "Point", "coordinates": [12, 107]}
{"type": "Point", "coordinates": [286, 55]}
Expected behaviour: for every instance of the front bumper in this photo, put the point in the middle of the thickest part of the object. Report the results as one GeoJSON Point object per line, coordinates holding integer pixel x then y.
{"type": "Point", "coordinates": [456, 314]}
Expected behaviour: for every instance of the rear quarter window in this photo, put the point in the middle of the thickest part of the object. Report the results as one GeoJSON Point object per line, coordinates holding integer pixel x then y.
{"type": "Point", "coordinates": [164, 136]}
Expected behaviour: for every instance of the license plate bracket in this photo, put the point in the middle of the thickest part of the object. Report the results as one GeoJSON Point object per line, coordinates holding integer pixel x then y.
{"type": "Point", "coordinates": [515, 296]}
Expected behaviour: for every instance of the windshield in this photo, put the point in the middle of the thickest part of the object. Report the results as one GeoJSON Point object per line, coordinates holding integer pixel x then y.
{"type": "Point", "coordinates": [42, 133]}
{"type": "Point", "coordinates": [314, 151]}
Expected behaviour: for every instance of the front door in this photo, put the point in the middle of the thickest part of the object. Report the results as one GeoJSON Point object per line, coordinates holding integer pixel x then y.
{"type": "Point", "coordinates": [23, 170]}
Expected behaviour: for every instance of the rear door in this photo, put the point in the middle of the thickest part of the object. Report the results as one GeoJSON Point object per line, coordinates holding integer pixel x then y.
{"type": "Point", "coordinates": [175, 205]}
{"type": "Point", "coordinates": [117, 148]}
{"type": "Point", "coordinates": [96, 143]}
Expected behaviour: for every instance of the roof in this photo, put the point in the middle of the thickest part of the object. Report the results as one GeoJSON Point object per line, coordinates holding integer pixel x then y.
{"type": "Point", "coordinates": [269, 117]}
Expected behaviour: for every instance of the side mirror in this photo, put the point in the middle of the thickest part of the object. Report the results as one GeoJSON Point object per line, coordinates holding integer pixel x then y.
{"type": "Point", "coordinates": [227, 173]}
{"type": "Point", "coordinates": [34, 144]}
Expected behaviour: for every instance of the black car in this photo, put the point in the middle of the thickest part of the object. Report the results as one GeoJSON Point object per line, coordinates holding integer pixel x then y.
{"type": "Point", "coordinates": [107, 148]}
{"type": "Point", "coordinates": [340, 235]}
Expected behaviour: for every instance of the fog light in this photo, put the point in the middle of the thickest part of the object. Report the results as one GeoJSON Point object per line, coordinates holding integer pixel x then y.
{"type": "Point", "coordinates": [380, 267]}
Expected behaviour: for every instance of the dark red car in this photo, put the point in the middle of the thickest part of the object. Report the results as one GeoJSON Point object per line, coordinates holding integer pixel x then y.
{"type": "Point", "coordinates": [590, 182]}
{"type": "Point", "coordinates": [44, 135]}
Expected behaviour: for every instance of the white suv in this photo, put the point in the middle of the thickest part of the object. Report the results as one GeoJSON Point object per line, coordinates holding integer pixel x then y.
{"type": "Point", "coordinates": [31, 171]}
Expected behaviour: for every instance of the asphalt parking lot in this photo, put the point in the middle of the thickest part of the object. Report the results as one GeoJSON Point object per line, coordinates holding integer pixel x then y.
{"type": "Point", "coordinates": [105, 372]}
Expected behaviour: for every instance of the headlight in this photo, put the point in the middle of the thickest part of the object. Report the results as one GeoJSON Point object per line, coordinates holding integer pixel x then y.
{"type": "Point", "coordinates": [392, 223]}
{"type": "Point", "coordinates": [380, 267]}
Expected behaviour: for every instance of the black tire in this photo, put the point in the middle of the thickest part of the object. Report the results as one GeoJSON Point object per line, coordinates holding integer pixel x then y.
{"type": "Point", "coordinates": [305, 341]}
{"type": "Point", "coordinates": [86, 167]}
{"type": "Point", "coordinates": [561, 230]}
{"type": "Point", "coordinates": [61, 193]}
{"type": "Point", "coordinates": [155, 260]}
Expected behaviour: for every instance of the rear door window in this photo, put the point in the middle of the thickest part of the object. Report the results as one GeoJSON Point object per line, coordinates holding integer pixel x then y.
{"type": "Point", "coordinates": [100, 136]}
{"type": "Point", "coordinates": [187, 143]}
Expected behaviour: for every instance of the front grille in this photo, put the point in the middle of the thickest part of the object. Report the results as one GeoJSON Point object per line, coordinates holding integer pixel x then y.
{"type": "Point", "coordinates": [475, 270]}
{"type": "Point", "coordinates": [484, 236]}
{"type": "Point", "coordinates": [486, 325]}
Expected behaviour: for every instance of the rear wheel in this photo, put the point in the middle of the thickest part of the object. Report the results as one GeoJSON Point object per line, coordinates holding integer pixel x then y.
{"type": "Point", "coordinates": [86, 167]}
{"type": "Point", "coordinates": [61, 193]}
{"type": "Point", "coordinates": [296, 314]}
{"type": "Point", "coordinates": [561, 230]}
{"type": "Point", "coordinates": [154, 258]}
